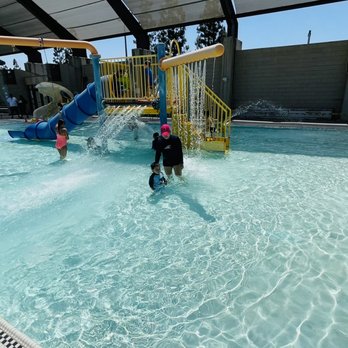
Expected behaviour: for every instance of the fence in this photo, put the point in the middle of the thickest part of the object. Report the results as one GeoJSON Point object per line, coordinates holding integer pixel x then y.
{"type": "Point", "coordinates": [134, 80]}
{"type": "Point", "coordinates": [130, 78]}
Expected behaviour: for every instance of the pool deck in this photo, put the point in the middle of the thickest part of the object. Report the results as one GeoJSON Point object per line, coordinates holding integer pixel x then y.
{"type": "Point", "coordinates": [10, 337]}
{"type": "Point", "coordinates": [272, 124]}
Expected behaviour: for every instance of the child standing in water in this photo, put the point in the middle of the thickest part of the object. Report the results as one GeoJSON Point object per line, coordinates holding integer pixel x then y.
{"type": "Point", "coordinates": [155, 140]}
{"type": "Point", "coordinates": [156, 180]}
{"type": "Point", "coordinates": [62, 139]}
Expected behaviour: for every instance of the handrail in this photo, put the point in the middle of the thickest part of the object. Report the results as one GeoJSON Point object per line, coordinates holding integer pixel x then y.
{"type": "Point", "coordinates": [209, 90]}
{"type": "Point", "coordinates": [217, 113]}
{"type": "Point", "coordinates": [46, 43]}
{"type": "Point", "coordinates": [171, 47]}
{"type": "Point", "coordinates": [224, 121]}
{"type": "Point", "coordinates": [128, 79]}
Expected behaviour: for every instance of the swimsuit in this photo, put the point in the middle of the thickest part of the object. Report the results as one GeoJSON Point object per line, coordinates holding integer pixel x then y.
{"type": "Point", "coordinates": [157, 181]}
{"type": "Point", "coordinates": [61, 141]}
{"type": "Point", "coordinates": [171, 149]}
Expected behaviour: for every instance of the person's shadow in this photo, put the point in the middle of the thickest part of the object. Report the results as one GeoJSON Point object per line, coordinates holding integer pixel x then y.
{"type": "Point", "coordinates": [185, 197]}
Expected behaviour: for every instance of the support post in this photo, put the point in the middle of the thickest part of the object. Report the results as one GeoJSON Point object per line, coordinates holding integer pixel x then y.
{"type": "Point", "coordinates": [162, 85]}
{"type": "Point", "coordinates": [98, 95]}
{"type": "Point", "coordinates": [344, 107]}
{"type": "Point", "coordinates": [97, 81]}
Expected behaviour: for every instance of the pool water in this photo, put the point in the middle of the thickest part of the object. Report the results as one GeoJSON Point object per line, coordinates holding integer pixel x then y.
{"type": "Point", "coordinates": [251, 250]}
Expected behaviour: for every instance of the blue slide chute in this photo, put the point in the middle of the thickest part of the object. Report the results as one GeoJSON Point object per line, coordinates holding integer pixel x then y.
{"type": "Point", "coordinates": [74, 114]}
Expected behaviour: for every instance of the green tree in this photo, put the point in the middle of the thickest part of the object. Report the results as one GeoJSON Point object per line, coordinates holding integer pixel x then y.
{"type": "Point", "coordinates": [62, 55]}
{"type": "Point", "coordinates": [166, 36]}
{"type": "Point", "coordinates": [3, 65]}
{"type": "Point", "coordinates": [210, 34]}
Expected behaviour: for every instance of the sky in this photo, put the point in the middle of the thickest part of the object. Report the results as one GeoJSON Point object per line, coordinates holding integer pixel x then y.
{"type": "Point", "coordinates": [326, 22]}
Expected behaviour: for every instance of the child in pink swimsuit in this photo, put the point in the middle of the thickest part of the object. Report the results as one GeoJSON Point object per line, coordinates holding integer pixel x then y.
{"type": "Point", "coordinates": [62, 139]}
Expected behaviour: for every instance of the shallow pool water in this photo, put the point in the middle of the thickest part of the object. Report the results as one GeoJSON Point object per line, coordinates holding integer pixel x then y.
{"type": "Point", "coordinates": [250, 251]}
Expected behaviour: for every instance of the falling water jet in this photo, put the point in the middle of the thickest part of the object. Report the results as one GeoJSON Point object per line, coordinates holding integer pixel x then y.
{"type": "Point", "coordinates": [196, 89]}
{"type": "Point", "coordinates": [117, 121]}
{"type": "Point", "coordinates": [261, 109]}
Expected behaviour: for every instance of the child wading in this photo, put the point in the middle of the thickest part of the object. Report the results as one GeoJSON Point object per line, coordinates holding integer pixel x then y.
{"type": "Point", "coordinates": [156, 180]}
{"type": "Point", "coordinates": [62, 139]}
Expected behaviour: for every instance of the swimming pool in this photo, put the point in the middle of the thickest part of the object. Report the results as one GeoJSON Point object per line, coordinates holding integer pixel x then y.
{"type": "Point", "coordinates": [250, 251]}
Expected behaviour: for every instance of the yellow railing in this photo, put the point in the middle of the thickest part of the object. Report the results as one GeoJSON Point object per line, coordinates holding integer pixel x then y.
{"type": "Point", "coordinates": [129, 81]}
{"type": "Point", "coordinates": [130, 78]}
{"type": "Point", "coordinates": [216, 114]}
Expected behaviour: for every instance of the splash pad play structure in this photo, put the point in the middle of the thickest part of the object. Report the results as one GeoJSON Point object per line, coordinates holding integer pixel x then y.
{"type": "Point", "coordinates": [164, 86]}
{"type": "Point", "coordinates": [109, 272]}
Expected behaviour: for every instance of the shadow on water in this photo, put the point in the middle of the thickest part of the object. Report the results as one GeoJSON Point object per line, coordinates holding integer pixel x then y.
{"type": "Point", "coordinates": [48, 143]}
{"type": "Point", "coordinates": [291, 141]}
{"type": "Point", "coordinates": [130, 154]}
{"type": "Point", "coordinates": [185, 197]}
{"type": "Point", "coordinates": [13, 174]}
{"type": "Point", "coordinates": [59, 162]}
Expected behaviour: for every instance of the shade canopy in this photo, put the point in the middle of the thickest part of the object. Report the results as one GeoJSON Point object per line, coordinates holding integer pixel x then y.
{"type": "Point", "coordinates": [97, 19]}
{"type": "Point", "coordinates": [246, 8]}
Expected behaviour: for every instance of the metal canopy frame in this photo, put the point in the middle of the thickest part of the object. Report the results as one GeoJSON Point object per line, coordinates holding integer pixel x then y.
{"type": "Point", "coordinates": [33, 54]}
{"type": "Point", "coordinates": [51, 23]}
{"type": "Point", "coordinates": [231, 19]}
{"type": "Point", "coordinates": [131, 22]}
{"type": "Point", "coordinates": [79, 19]}
{"type": "Point", "coordinates": [286, 8]}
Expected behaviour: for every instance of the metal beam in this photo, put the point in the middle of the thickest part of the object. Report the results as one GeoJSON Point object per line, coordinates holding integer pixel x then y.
{"type": "Point", "coordinates": [287, 8]}
{"type": "Point", "coordinates": [131, 22]}
{"type": "Point", "coordinates": [231, 19]}
{"type": "Point", "coordinates": [51, 24]}
{"type": "Point", "coordinates": [33, 55]}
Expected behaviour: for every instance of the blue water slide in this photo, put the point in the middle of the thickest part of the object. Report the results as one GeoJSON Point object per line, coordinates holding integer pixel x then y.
{"type": "Point", "coordinates": [74, 114]}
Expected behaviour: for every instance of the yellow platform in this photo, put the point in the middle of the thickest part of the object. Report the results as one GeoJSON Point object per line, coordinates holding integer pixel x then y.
{"type": "Point", "coordinates": [146, 110]}
{"type": "Point", "coordinates": [216, 144]}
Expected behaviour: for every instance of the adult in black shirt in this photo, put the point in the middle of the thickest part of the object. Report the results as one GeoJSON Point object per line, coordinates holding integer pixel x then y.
{"type": "Point", "coordinates": [171, 148]}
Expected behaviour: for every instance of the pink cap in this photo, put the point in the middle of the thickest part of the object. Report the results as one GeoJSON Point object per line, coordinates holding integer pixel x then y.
{"type": "Point", "coordinates": [165, 130]}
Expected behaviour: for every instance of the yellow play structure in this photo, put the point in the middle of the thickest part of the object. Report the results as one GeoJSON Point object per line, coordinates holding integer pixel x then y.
{"type": "Point", "coordinates": [199, 116]}
{"type": "Point", "coordinates": [129, 84]}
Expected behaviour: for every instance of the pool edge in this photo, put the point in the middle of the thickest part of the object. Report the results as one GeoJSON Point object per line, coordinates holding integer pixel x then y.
{"type": "Point", "coordinates": [11, 337]}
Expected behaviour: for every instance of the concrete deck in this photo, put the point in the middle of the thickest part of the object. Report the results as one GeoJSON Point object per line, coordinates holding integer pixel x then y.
{"type": "Point", "coordinates": [273, 124]}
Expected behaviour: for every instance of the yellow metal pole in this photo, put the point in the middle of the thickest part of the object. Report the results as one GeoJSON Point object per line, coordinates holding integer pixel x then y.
{"type": "Point", "coordinates": [190, 57]}
{"type": "Point", "coordinates": [46, 43]}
